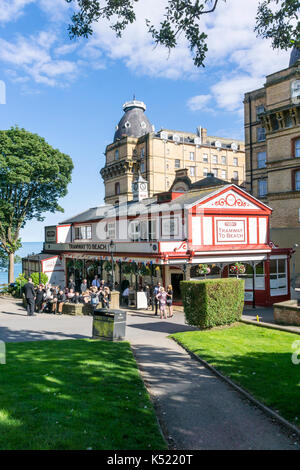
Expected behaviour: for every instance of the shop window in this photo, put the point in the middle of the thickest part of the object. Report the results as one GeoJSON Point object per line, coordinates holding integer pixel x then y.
{"type": "Point", "coordinates": [248, 276]}
{"type": "Point", "coordinates": [152, 230]}
{"type": "Point", "coordinates": [278, 277]}
{"type": "Point", "coordinates": [111, 230]}
{"type": "Point", "coordinates": [83, 232]}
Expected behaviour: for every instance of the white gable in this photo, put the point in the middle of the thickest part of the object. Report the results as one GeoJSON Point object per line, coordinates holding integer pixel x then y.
{"type": "Point", "coordinates": [230, 200]}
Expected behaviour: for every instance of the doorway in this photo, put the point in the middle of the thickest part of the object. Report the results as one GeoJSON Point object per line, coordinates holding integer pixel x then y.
{"type": "Point", "coordinates": [175, 281]}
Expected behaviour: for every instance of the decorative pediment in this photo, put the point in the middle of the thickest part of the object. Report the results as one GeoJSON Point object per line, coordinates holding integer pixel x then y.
{"type": "Point", "coordinates": [230, 200]}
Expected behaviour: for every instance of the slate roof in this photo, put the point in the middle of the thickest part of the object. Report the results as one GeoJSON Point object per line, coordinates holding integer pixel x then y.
{"type": "Point", "coordinates": [295, 55]}
{"type": "Point", "coordinates": [134, 122]}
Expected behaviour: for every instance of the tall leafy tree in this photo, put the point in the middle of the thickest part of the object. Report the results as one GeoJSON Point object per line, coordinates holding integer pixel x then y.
{"type": "Point", "coordinates": [33, 176]}
{"type": "Point", "coordinates": [276, 19]}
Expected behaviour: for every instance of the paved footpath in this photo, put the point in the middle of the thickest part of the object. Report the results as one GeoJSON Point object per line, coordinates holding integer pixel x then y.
{"type": "Point", "coordinates": [196, 409]}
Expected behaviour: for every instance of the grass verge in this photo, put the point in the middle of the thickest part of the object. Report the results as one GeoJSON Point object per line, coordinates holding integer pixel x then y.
{"type": "Point", "coordinates": [257, 359]}
{"type": "Point", "coordinates": [75, 394]}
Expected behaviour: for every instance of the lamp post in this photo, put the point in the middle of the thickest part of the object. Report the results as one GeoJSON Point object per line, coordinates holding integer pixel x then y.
{"type": "Point", "coordinates": [111, 247]}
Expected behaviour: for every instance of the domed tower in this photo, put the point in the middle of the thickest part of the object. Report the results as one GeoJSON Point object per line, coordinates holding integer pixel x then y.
{"type": "Point", "coordinates": [128, 154]}
{"type": "Point", "coordinates": [134, 122]}
{"type": "Point", "coordinates": [295, 56]}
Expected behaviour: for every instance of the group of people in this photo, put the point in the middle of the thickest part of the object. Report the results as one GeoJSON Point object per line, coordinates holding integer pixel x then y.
{"type": "Point", "coordinates": [50, 299]}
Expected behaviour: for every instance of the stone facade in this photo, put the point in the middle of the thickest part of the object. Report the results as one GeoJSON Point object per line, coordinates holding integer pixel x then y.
{"type": "Point", "coordinates": [272, 138]}
{"type": "Point", "coordinates": [157, 155]}
{"type": "Point", "coordinates": [287, 313]}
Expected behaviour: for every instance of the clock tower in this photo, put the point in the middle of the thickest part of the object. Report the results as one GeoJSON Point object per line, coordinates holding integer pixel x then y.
{"type": "Point", "coordinates": [140, 188]}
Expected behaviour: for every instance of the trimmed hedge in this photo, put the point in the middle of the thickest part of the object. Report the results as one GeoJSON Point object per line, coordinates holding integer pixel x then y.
{"type": "Point", "coordinates": [212, 302]}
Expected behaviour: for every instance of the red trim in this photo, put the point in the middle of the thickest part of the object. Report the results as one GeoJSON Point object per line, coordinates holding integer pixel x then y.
{"type": "Point", "coordinates": [293, 146]}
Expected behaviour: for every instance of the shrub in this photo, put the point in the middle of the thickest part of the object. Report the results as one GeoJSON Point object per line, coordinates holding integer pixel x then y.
{"type": "Point", "coordinates": [212, 302]}
{"type": "Point", "coordinates": [36, 278]}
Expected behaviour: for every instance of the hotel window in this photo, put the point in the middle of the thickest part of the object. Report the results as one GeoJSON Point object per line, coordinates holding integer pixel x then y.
{"type": "Point", "coordinates": [205, 157]}
{"type": "Point", "coordinates": [117, 188]}
{"type": "Point", "coordinates": [259, 110]}
{"type": "Point", "coordinates": [224, 175]}
{"type": "Point", "coordinates": [223, 160]}
{"type": "Point", "coordinates": [278, 277]}
{"type": "Point", "coordinates": [192, 156]}
{"type": "Point", "coordinates": [205, 171]}
{"type": "Point", "coordinates": [262, 188]}
{"type": "Point", "coordinates": [192, 170]}
{"type": "Point", "coordinates": [297, 180]}
{"type": "Point", "coordinates": [83, 233]}
{"type": "Point", "coordinates": [261, 134]}
{"type": "Point", "coordinates": [297, 148]}
{"type": "Point", "coordinates": [215, 158]}
{"type": "Point", "coordinates": [261, 159]}
{"type": "Point", "coordinates": [215, 171]}
{"type": "Point", "coordinates": [117, 156]}
{"type": "Point", "coordinates": [177, 163]}
{"type": "Point", "coordinates": [235, 162]}
{"type": "Point", "coordinates": [235, 176]}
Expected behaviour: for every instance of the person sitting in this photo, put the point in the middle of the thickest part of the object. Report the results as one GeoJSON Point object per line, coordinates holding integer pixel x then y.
{"type": "Point", "coordinates": [86, 297]}
{"type": "Point", "coordinates": [70, 295]}
{"type": "Point", "coordinates": [61, 299]}
{"type": "Point", "coordinates": [104, 297]}
{"type": "Point", "coordinates": [77, 299]}
{"type": "Point", "coordinates": [95, 297]}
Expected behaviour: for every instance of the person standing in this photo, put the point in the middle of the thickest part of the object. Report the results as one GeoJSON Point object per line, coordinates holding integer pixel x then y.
{"type": "Point", "coordinates": [162, 299]}
{"type": "Point", "coordinates": [96, 282]}
{"type": "Point", "coordinates": [156, 291]}
{"type": "Point", "coordinates": [39, 299]}
{"type": "Point", "coordinates": [170, 300]}
{"type": "Point", "coordinates": [29, 296]}
{"type": "Point", "coordinates": [83, 286]}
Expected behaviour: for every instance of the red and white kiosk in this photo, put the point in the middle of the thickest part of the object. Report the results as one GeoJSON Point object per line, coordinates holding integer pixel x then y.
{"type": "Point", "coordinates": [212, 223]}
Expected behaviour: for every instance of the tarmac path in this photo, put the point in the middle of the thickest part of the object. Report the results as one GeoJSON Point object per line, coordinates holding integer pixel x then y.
{"type": "Point", "coordinates": [196, 409]}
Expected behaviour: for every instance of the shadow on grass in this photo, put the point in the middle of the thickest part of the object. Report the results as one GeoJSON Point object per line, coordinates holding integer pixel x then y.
{"type": "Point", "coordinates": [74, 395]}
{"type": "Point", "coordinates": [16, 336]}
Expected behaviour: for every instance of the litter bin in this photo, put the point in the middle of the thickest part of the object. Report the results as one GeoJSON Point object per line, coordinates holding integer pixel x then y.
{"type": "Point", "coordinates": [109, 324]}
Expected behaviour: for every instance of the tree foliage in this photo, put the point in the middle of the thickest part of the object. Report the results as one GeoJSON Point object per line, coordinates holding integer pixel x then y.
{"type": "Point", "coordinates": [278, 20]}
{"type": "Point", "coordinates": [183, 17]}
{"type": "Point", "coordinates": [33, 176]}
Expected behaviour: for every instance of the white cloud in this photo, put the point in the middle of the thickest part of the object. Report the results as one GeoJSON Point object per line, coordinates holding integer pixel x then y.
{"type": "Point", "coordinates": [31, 57]}
{"type": "Point", "coordinates": [199, 102]}
{"type": "Point", "coordinates": [11, 9]}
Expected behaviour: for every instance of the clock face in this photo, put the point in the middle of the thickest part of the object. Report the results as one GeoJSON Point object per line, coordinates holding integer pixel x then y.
{"type": "Point", "coordinates": [143, 186]}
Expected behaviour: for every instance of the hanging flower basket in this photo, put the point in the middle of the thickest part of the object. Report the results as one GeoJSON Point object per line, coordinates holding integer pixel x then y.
{"type": "Point", "coordinates": [238, 268]}
{"type": "Point", "coordinates": [203, 269]}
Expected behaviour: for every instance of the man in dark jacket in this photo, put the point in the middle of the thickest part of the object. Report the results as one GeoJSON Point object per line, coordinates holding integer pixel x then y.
{"type": "Point", "coordinates": [29, 296]}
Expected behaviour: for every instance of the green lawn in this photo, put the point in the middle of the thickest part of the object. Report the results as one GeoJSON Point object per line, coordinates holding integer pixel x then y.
{"type": "Point", "coordinates": [258, 359]}
{"type": "Point", "coordinates": [74, 394]}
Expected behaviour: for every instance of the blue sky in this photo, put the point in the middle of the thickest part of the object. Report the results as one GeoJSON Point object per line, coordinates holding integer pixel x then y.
{"type": "Point", "coordinates": [71, 92]}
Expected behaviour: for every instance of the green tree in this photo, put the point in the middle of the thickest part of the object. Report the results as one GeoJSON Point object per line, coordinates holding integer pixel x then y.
{"type": "Point", "coordinates": [33, 176]}
{"type": "Point", "coordinates": [276, 19]}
